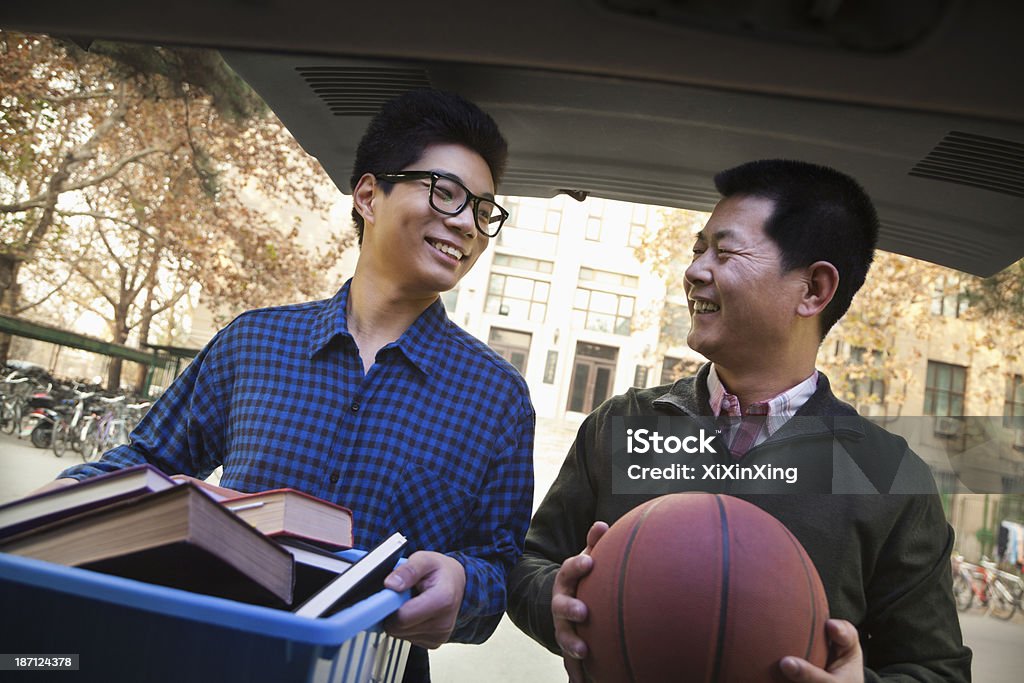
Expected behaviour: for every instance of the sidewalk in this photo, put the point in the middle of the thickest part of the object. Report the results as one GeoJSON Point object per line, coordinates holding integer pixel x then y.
{"type": "Point", "coordinates": [24, 468]}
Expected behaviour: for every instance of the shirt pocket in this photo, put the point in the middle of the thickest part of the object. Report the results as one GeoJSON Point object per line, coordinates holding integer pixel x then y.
{"type": "Point", "coordinates": [431, 511]}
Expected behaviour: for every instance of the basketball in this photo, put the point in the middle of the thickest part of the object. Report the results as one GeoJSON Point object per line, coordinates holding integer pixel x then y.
{"type": "Point", "coordinates": [700, 587]}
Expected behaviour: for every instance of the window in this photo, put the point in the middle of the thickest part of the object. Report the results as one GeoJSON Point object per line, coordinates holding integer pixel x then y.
{"type": "Point", "coordinates": [602, 311]}
{"type": "Point", "coordinates": [523, 263]}
{"type": "Point", "coordinates": [675, 324]}
{"type": "Point", "coordinates": [539, 215]}
{"type": "Point", "coordinates": [673, 368]}
{"type": "Point", "coordinates": [550, 366]}
{"type": "Point", "coordinates": [945, 481]}
{"type": "Point", "coordinates": [867, 385]}
{"type": "Point", "coordinates": [511, 345]}
{"type": "Point", "coordinates": [517, 297]}
{"type": "Point", "coordinates": [944, 390]}
{"type": "Point", "coordinates": [675, 278]}
{"type": "Point", "coordinates": [606, 277]}
{"type": "Point", "coordinates": [511, 205]}
{"type": "Point", "coordinates": [1014, 485]}
{"type": "Point", "coordinates": [1013, 407]}
{"type": "Point", "coordinates": [595, 220]}
{"type": "Point", "coordinates": [450, 299]}
{"type": "Point", "coordinates": [640, 376]}
{"type": "Point", "coordinates": [948, 297]}
{"type": "Point", "coordinates": [637, 224]}
{"type": "Point", "coordinates": [553, 221]}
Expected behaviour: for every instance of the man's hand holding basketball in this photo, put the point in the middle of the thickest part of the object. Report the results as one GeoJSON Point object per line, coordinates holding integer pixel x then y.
{"type": "Point", "coordinates": [845, 666]}
{"type": "Point", "coordinates": [567, 611]}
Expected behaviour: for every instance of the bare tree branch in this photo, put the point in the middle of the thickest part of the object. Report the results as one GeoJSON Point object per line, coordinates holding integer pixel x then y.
{"type": "Point", "coordinates": [77, 97]}
{"type": "Point", "coordinates": [56, 288]}
{"type": "Point", "coordinates": [41, 200]}
{"type": "Point", "coordinates": [105, 217]}
{"type": "Point", "coordinates": [174, 299]}
{"type": "Point", "coordinates": [96, 286]}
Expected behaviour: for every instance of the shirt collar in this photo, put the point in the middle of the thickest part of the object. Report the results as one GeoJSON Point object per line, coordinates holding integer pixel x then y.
{"type": "Point", "coordinates": [423, 343]}
{"type": "Point", "coordinates": [780, 408]}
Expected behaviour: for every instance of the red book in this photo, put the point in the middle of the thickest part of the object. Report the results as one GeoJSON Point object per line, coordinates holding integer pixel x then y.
{"type": "Point", "coordinates": [287, 512]}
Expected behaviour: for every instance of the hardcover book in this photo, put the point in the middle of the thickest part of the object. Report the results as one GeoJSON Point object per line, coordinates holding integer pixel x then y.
{"type": "Point", "coordinates": [178, 537]}
{"type": "Point", "coordinates": [290, 513]}
{"type": "Point", "coordinates": [102, 490]}
{"type": "Point", "coordinates": [361, 580]}
{"type": "Point", "coordinates": [314, 567]}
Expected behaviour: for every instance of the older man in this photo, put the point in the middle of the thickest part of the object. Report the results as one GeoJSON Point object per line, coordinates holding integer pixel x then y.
{"type": "Point", "coordinates": [773, 270]}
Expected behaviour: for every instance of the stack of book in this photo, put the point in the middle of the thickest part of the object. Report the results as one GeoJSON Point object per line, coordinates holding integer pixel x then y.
{"type": "Point", "coordinates": [273, 548]}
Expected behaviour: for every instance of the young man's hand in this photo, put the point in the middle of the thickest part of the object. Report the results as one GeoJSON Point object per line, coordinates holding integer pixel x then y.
{"type": "Point", "coordinates": [567, 610]}
{"type": "Point", "coordinates": [438, 583]}
{"type": "Point", "coordinates": [216, 492]}
{"type": "Point", "coordinates": [846, 664]}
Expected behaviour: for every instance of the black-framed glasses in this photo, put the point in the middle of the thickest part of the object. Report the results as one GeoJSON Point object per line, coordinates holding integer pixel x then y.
{"type": "Point", "coordinates": [448, 196]}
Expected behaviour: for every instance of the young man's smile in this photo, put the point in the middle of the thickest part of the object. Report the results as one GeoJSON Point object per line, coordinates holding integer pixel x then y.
{"type": "Point", "coordinates": [418, 245]}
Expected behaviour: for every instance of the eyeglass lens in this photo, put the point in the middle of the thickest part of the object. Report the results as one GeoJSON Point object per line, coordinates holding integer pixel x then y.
{"type": "Point", "coordinates": [449, 197]}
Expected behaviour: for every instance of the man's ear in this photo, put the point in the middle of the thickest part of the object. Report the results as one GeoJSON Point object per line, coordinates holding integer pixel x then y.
{"type": "Point", "coordinates": [362, 196]}
{"type": "Point", "coordinates": [820, 281]}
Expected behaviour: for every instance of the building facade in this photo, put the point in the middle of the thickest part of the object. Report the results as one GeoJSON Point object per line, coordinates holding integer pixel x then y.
{"type": "Point", "coordinates": [561, 295]}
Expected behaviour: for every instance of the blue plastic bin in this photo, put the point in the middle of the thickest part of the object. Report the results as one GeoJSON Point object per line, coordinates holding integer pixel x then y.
{"type": "Point", "coordinates": [125, 630]}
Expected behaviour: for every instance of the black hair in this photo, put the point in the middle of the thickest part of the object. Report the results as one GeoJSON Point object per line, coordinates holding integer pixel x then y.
{"type": "Point", "coordinates": [820, 214]}
{"type": "Point", "coordinates": [405, 126]}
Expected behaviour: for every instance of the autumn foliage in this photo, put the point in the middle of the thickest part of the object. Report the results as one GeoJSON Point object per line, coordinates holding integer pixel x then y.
{"type": "Point", "coordinates": [135, 180]}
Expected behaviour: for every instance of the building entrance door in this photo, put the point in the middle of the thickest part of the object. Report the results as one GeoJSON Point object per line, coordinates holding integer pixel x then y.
{"type": "Point", "coordinates": [592, 375]}
{"type": "Point", "coordinates": [511, 345]}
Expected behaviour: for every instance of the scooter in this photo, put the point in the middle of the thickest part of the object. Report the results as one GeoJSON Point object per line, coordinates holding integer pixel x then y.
{"type": "Point", "coordinates": [44, 411]}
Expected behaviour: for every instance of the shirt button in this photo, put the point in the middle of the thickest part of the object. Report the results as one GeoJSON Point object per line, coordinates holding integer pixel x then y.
{"type": "Point", "coordinates": [354, 407]}
{"type": "Point", "coordinates": [334, 478]}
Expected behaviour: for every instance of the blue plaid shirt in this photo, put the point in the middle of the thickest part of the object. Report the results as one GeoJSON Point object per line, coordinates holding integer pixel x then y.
{"type": "Point", "coordinates": [435, 441]}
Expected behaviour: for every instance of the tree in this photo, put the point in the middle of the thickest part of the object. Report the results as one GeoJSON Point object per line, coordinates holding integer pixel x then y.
{"type": "Point", "coordinates": [1001, 295]}
{"type": "Point", "coordinates": [141, 173]}
{"type": "Point", "coordinates": [53, 118]}
{"type": "Point", "coordinates": [901, 296]}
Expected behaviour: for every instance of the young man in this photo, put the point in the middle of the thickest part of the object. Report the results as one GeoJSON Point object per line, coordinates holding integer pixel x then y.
{"type": "Point", "coordinates": [774, 268]}
{"type": "Point", "coordinates": [374, 399]}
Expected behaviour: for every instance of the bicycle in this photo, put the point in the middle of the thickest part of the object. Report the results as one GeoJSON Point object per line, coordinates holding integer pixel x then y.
{"type": "Point", "coordinates": [13, 398]}
{"type": "Point", "coordinates": [968, 579]}
{"type": "Point", "coordinates": [1004, 591]}
{"type": "Point", "coordinates": [134, 412]}
{"type": "Point", "coordinates": [106, 431]}
{"type": "Point", "coordinates": [999, 592]}
{"type": "Point", "coordinates": [71, 426]}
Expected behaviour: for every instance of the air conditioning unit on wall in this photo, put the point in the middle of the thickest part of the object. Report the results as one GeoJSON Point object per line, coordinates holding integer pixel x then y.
{"type": "Point", "coordinates": [949, 427]}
